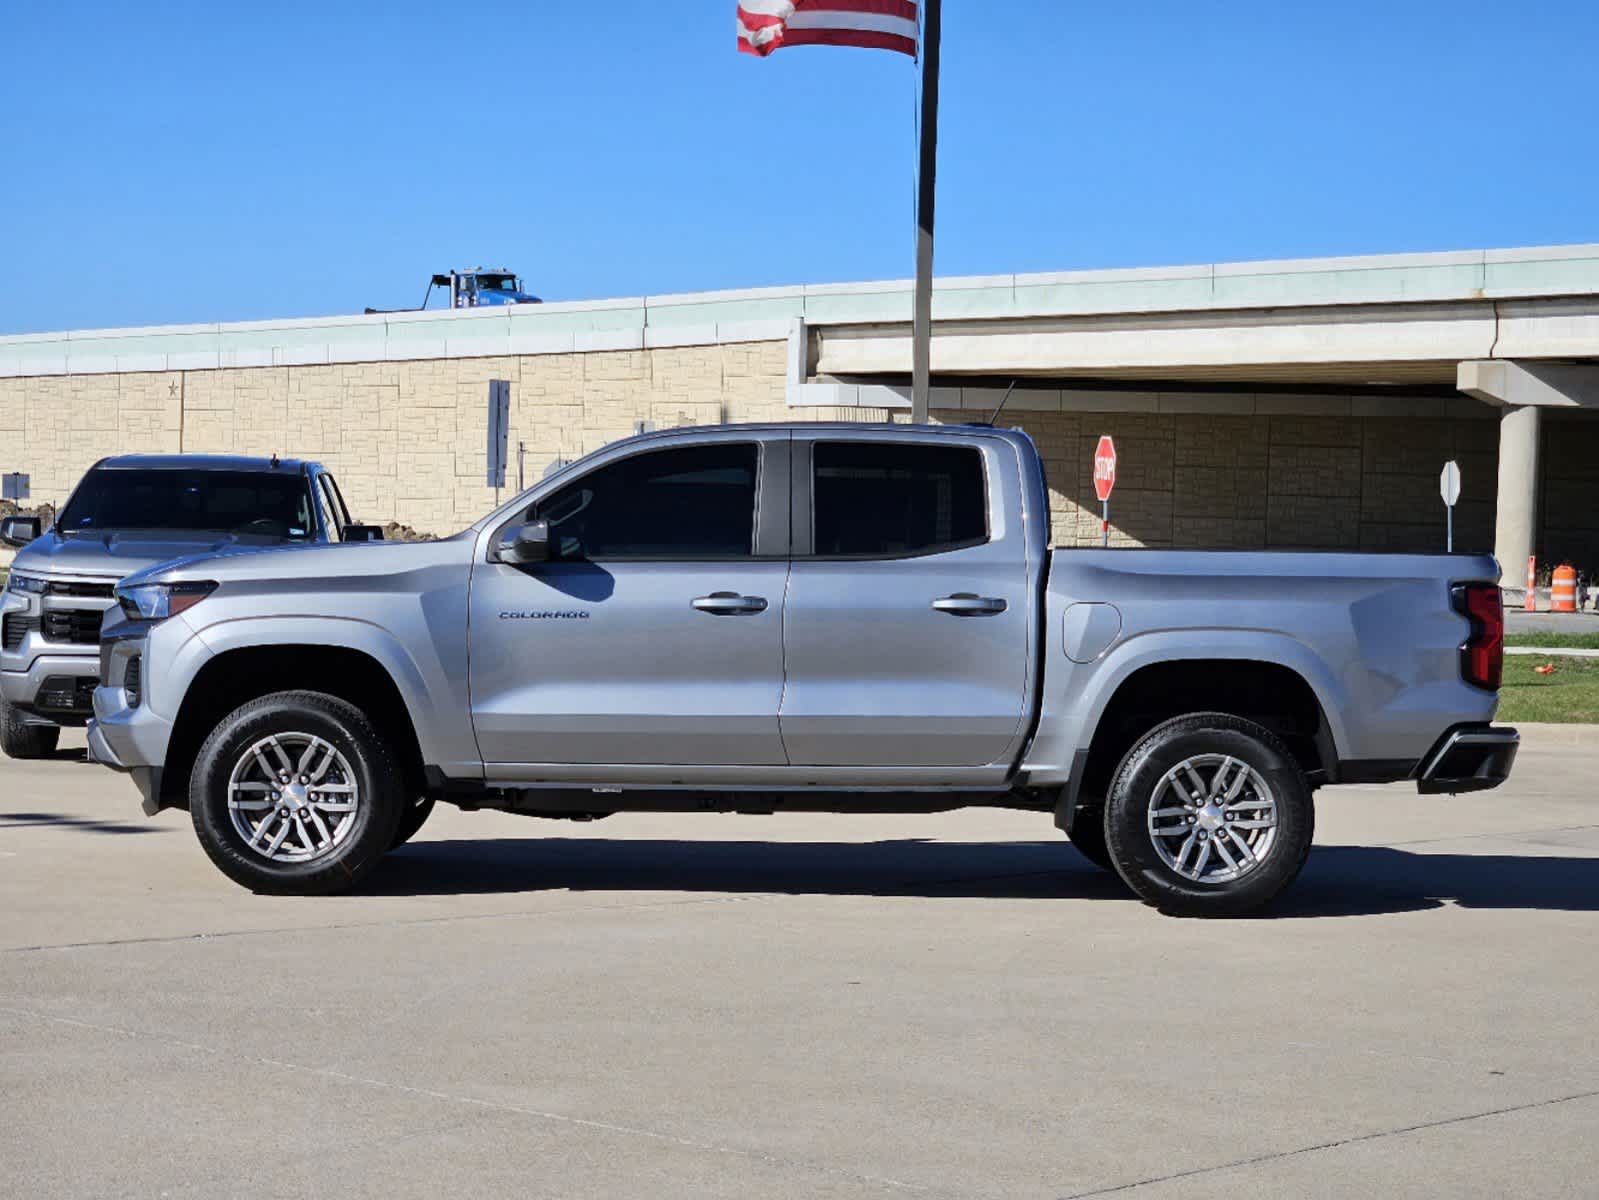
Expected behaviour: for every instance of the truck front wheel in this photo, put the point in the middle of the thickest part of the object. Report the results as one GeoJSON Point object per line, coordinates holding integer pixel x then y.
{"type": "Point", "coordinates": [296, 794]}
{"type": "Point", "coordinates": [1087, 832]}
{"type": "Point", "coordinates": [21, 740]}
{"type": "Point", "coordinates": [1209, 816]}
{"type": "Point", "coordinates": [416, 815]}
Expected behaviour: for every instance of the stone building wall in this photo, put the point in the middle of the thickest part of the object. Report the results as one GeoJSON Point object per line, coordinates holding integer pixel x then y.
{"type": "Point", "coordinates": [408, 443]}
{"type": "Point", "coordinates": [1252, 482]}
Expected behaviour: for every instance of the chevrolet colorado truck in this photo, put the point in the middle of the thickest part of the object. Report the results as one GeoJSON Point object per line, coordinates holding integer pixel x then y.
{"type": "Point", "coordinates": [127, 513]}
{"type": "Point", "coordinates": [844, 618]}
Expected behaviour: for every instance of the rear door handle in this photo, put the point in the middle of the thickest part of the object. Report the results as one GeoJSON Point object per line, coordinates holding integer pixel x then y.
{"type": "Point", "coordinates": [729, 604]}
{"type": "Point", "coordinates": [969, 604]}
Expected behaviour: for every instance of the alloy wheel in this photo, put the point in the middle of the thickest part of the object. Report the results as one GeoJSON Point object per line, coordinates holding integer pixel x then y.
{"type": "Point", "coordinates": [293, 797]}
{"type": "Point", "coordinates": [1213, 818]}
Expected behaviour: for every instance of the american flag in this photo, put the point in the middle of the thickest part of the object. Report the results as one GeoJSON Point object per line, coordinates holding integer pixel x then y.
{"type": "Point", "coordinates": [766, 25]}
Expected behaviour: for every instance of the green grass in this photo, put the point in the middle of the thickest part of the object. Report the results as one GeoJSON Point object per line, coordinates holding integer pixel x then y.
{"type": "Point", "coordinates": [1568, 641]}
{"type": "Point", "coordinates": [1570, 695]}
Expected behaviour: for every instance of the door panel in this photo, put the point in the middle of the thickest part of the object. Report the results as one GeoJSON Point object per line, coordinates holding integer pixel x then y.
{"type": "Point", "coordinates": [612, 663]}
{"type": "Point", "coordinates": [655, 636]}
{"type": "Point", "coordinates": [911, 658]}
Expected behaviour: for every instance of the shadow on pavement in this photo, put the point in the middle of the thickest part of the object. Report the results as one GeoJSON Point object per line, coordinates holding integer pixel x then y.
{"type": "Point", "coordinates": [33, 820]}
{"type": "Point", "coordinates": [1338, 880]}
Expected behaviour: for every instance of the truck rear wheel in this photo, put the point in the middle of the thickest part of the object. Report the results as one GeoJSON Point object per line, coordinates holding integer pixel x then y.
{"type": "Point", "coordinates": [20, 740]}
{"type": "Point", "coordinates": [1209, 816]}
{"type": "Point", "coordinates": [296, 794]}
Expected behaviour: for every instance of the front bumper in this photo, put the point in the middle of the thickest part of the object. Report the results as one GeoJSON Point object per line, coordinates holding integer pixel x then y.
{"type": "Point", "coordinates": [55, 686]}
{"type": "Point", "coordinates": [124, 737]}
{"type": "Point", "coordinates": [146, 779]}
{"type": "Point", "coordinates": [1469, 758]}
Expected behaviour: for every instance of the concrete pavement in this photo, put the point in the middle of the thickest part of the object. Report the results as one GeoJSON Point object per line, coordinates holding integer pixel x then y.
{"type": "Point", "coordinates": [802, 1006]}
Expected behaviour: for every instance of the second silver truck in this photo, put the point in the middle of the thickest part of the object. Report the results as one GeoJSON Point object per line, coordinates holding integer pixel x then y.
{"type": "Point", "coordinates": [845, 618]}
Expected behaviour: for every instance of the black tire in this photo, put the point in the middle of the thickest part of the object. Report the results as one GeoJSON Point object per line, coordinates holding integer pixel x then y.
{"type": "Point", "coordinates": [1132, 846]}
{"type": "Point", "coordinates": [411, 821]}
{"type": "Point", "coordinates": [373, 769]}
{"type": "Point", "coordinates": [20, 740]}
{"type": "Point", "coordinates": [1087, 832]}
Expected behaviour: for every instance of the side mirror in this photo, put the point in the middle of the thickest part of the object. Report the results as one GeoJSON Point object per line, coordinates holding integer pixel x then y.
{"type": "Point", "coordinates": [19, 531]}
{"type": "Point", "coordinates": [528, 543]}
{"type": "Point", "coordinates": [362, 533]}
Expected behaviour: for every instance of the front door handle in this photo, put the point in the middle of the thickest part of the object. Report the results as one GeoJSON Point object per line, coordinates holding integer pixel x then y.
{"type": "Point", "coordinates": [729, 604]}
{"type": "Point", "coordinates": [969, 604]}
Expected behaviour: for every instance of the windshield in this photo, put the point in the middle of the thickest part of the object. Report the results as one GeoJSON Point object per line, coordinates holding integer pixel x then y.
{"type": "Point", "coordinates": [244, 502]}
{"type": "Point", "coordinates": [499, 283]}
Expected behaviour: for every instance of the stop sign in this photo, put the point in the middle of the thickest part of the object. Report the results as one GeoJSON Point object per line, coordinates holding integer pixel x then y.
{"type": "Point", "coordinates": [1104, 468]}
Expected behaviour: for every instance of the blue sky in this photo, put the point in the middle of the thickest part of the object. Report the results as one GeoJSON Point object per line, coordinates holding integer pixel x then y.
{"type": "Point", "coordinates": [196, 162]}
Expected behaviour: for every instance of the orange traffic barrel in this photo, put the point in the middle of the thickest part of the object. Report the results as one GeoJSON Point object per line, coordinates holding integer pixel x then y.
{"type": "Point", "coordinates": [1563, 589]}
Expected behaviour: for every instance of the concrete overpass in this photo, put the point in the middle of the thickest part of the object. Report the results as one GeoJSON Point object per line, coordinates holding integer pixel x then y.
{"type": "Point", "coordinates": [1514, 329]}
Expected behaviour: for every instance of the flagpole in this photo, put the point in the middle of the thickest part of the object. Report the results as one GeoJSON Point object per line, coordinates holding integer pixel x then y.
{"type": "Point", "coordinates": [926, 177]}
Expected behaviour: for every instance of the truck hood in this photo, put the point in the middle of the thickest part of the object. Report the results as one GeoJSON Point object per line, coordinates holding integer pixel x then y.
{"type": "Point", "coordinates": [111, 553]}
{"type": "Point", "coordinates": [495, 296]}
{"type": "Point", "coordinates": [292, 567]}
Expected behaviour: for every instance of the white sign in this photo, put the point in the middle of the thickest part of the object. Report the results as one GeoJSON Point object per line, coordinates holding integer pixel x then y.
{"type": "Point", "coordinates": [1449, 489]}
{"type": "Point", "coordinates": [1449, 483]}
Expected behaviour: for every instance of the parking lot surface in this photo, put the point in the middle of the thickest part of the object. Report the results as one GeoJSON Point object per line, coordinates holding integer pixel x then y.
{"type": "Point", "coordinates": [803, 1006]}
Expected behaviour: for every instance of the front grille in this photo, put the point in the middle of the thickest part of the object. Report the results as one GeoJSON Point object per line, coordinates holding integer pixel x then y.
{"type": "Point", "coordinates": [14, 629]}
{"type": "Point", "coordinates": [79, 626]}
{"type": "Point", "coordinates": [66, 694]}
{"type": "Point", "coordinates": [91, 591]}
{"type": "Point", "coordinates": [131, 680]}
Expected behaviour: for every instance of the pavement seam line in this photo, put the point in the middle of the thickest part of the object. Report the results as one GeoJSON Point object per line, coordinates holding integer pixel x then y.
{"type": "Point", "coordinates": [476, 1102]}
{"type": "Point", "coordinates": [1335, 1144]}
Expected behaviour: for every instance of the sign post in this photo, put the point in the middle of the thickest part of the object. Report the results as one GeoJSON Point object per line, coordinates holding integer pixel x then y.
{"type": "Point", "coordinates": [1104, 481]}
{"type": "Point", "coordinates": [1449, 489]}
{"type": "Point", "coordinates": [926, 192]}
{"type": "Point", "coordinates": [499, 433]}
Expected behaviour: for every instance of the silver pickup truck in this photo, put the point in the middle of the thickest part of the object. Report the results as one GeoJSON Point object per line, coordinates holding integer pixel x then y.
{"type": "Point", "coordinates": [129, 512]}
{"type": "Point", "coordinates": [843, 618]}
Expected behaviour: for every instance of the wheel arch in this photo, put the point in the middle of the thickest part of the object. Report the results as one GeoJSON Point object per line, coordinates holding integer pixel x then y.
{"type": "Point", "coordinates": [238, 675]}
{"type": "Point", "coordinates": [1294, 699]}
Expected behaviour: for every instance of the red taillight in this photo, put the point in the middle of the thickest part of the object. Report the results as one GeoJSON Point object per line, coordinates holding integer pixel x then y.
{"type": "Point", "coordinates": [1482, 658]}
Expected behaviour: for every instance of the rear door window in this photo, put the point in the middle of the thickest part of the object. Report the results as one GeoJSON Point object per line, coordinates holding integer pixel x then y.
{"type": "Point", "coordinates": [882, 499]}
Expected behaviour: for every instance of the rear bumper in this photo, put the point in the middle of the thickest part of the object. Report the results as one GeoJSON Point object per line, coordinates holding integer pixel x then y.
{"type": "Point", "coordinates": [1469, 758]}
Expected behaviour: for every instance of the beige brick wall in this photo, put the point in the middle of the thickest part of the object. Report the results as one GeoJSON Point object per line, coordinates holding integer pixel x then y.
{"type": "Point", "coordinates": [1213, 480]}
{"type": "Point", "coordinates": [407, 441]}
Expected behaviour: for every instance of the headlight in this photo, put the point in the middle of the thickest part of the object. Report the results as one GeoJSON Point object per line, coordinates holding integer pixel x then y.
{"type": "Point", "coordinates": [158, 601]}
{"type": "Point", "coordinates": [26, 583]}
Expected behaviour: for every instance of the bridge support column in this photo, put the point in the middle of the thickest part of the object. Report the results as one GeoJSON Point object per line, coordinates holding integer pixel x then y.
{"type": "Point", "coordinates": [1524, 390]}
{"type": "Point", "coordinates": [1516, 525]}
